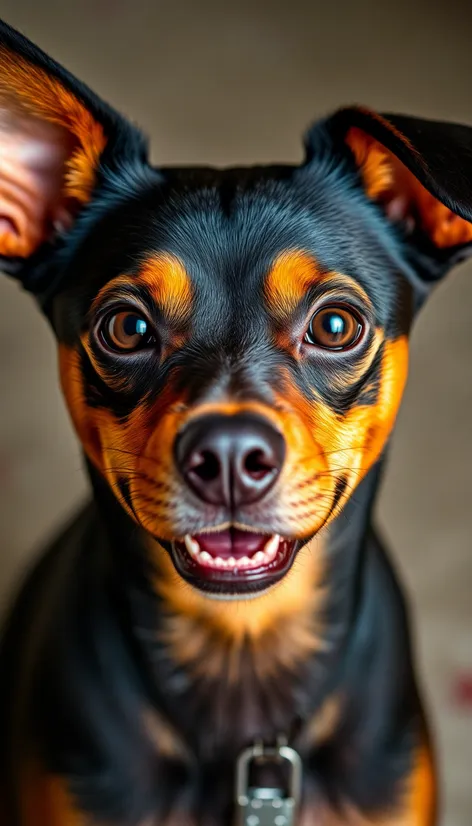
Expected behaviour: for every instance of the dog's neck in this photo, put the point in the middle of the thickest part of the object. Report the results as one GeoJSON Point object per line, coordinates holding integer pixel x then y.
{"type": "Point", "coordinates": [216, 659]}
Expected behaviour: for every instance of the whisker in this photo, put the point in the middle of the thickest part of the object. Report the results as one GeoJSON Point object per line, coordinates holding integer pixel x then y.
{"type": "Point", "coordinates": [342, 449]}
{"type": "Point", "coordinates": [124, 469]}
{"type": "Point", "coordinates": [150, 500]}
{"type": "Point", "coordinates": [140, 456]}
{"type": "Point", "coordinates": [121, 450]}
{"type": "Point", "coordinates": [138, 474]}
{"type": "Point", "coordinates": [156, 483]}
{"type": "Point", "coordinates": [331, 470]}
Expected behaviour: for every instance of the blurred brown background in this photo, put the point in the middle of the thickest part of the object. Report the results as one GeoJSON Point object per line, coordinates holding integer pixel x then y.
{"type": "Point", "coordinates": [222, 83]}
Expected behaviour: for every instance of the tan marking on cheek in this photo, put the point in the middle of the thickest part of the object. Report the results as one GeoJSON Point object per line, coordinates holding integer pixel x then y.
{"type": "Point", "coordinates": [350, 375]}
{"type": "Point", "coordinates": [323, 446]}
{"type": "Point", "coordinates": [156, 488]}
{"type": "Point", "coordinates": [394, 374]}
{"type": "Point", "coordinates": [377, 419]}
{"type": "Point", "coordinates": [112, 446]}
{"type": "Point", "coordinates": [73, 389]}
{"type": "Point", "coordinates": [353, 443]}
{"type": "Point", "coordinates": [304, 501]}
{"type": "Point", "coordinates": [117, 380]}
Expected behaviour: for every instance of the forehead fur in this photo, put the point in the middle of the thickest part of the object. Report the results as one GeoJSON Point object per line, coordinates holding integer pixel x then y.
{"type": "Point", "coordinates": [228, 227]}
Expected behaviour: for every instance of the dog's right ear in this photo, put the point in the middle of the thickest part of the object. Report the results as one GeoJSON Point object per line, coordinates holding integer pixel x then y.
{"type": "Point", "coordinates": [56, 139]}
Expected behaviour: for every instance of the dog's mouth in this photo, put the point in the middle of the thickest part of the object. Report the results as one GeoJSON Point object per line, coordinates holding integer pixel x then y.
{"type": "Point", "coordinates": [233, 561]}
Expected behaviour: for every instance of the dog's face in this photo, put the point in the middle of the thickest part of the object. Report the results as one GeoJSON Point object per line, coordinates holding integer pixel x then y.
{"type": "Point", "coordinates": [236, 370]}
{"type": "Point", "coordinates": [232, 344]}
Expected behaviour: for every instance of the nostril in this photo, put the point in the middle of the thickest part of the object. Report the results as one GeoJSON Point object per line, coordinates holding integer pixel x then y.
{"type": "Point", "coordinates": [205, 465]}
{"type": "Point", "coordinates": [257, 464]}
{"type": "Point", "coordinates": [229, 461]}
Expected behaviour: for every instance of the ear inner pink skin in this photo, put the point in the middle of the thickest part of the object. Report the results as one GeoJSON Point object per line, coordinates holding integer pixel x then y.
{"type": "Point", "coordinates": [32, 166]}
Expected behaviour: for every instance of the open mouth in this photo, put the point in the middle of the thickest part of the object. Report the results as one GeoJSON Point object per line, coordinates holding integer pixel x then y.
{"type": "Point", "coordinates": [233, 561]}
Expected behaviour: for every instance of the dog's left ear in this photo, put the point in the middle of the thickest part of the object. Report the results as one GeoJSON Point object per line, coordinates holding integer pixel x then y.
{"type": "Point", "coordinates": [56, 140]}
{"type": "Point", "coordinates": [420, 172]}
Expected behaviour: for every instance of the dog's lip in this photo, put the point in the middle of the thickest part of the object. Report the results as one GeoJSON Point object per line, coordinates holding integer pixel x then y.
{"type": "Point", "coordinates": [233, 560]}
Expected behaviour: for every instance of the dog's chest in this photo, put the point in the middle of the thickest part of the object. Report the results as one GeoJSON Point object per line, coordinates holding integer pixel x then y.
{"type": "Point", "coordinates": [231, 696]}
{"type": "Point", "coordinates": [218, 721]}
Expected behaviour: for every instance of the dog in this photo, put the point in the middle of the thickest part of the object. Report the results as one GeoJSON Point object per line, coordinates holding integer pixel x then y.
{"type": "Point", "coordinates": [219, 636]}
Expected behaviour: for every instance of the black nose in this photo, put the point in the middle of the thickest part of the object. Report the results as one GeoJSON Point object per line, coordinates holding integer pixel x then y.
{"type": "Point", "coordinates": [230, 460]}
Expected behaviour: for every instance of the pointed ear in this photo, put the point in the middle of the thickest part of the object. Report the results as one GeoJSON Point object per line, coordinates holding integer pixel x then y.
{"type": "Point", "coordinates": [54, 136]}
{"type": "Point", "coordinates": [420, 172]}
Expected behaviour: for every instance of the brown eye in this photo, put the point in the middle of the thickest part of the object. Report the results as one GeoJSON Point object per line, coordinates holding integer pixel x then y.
{"type": "Point", "coordinates": [334, 328]}
{"type": "Point", "coordinates": [126, 332]}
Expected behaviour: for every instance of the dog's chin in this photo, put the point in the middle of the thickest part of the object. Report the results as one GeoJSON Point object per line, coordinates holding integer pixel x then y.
{"type": "Point", "coordinates": [233, 563]}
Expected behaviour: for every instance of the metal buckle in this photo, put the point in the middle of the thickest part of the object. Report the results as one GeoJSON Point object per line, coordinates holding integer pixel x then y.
{"type": "Point", "coordinates": [259, 806]}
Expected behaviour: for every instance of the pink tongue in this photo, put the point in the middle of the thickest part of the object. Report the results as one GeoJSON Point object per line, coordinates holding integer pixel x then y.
{"type": "Point", "coordinates": [231, 543]}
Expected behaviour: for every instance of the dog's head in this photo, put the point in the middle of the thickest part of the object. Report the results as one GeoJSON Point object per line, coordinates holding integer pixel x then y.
{"type": "Point", "coordinates": [233, 344]}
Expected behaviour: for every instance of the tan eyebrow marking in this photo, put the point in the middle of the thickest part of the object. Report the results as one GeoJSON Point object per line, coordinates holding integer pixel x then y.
{"type": "Point", "coordinates": [165, 279]}
{"type": "Point", "coordinates": [169, 285]}
{"type": "Point", "coordinates": [291, 275]}
{"type": "Point", "coordinates": [292, 272]}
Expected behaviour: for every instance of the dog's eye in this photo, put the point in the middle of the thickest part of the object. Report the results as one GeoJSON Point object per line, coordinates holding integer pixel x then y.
{"type": "Point", "coordinates": [334, 328]}
{"type": "Point", "coordinates": [126, 332]}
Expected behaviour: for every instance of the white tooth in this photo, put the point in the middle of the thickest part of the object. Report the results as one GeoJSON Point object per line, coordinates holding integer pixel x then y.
{"type": "Point", "coordinates": [204, 556]}
{"type": "Point", "coordinates": [244, 561]}
{"type": "Point", "coordinates": [231, 561]}
{"type": "Point", "coordinates": [192, 545]}
{"type": "Point", "coordinates": [271, 547]}
{"type": "Point", "coordinates": [259, 557]}
{"type": "Point", "coordinates": [220, 563]}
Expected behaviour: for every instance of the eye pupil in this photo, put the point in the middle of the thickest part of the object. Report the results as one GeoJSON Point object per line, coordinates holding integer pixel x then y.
{"type": "Point", "coordinates": [334, 328]}
{"type": "Point", "coordinates": [126, 332]}
{"type": "Point", "coordinates": [133, 325]}
{"type": "Point", "coordinates": [333, 324]}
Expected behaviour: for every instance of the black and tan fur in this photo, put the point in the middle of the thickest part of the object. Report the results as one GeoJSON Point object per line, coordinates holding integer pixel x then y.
{"type": "Point", "coordinates": [126, 694]}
